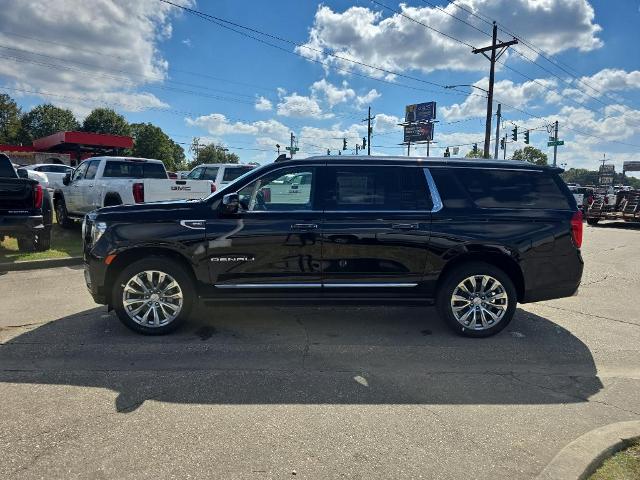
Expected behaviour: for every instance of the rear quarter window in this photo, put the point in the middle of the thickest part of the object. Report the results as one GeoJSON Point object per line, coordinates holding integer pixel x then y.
{"type": "Point", "coordinates": [231, 173]}
{"type": "Point", "coordinates": [534, 189]}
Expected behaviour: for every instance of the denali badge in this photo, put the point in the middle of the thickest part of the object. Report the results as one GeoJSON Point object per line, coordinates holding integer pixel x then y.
{"type": "Point", "coordinates": [234, 258]}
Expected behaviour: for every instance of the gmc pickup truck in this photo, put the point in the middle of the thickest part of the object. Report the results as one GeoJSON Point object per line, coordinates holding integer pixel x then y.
{"type": "Point", "coordinates": [108, 181]}
{"type": "Point", "coordinates": [25, 209]}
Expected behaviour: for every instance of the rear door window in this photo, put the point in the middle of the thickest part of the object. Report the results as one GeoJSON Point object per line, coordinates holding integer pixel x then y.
{"type": "Point", "coordinates": [489, 188]}
{"type": "Point", "coordinates": [383, 188]}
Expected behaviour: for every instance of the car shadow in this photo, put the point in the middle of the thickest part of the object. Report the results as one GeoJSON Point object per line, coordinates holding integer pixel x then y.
{"type": "Point", "coordinates": [306, 355]}
{"type": "Point", "coordinates": [620, 225]}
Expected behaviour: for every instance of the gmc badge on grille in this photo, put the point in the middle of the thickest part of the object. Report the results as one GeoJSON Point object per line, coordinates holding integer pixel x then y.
{"type": "Point", "coordinates": [181, 188]}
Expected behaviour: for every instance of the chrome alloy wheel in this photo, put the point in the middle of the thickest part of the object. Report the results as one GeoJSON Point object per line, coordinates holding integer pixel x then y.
{"type": "Point", "coordinates": [479, 302]}
{"type": "Point", "coordinates": [152, 298]}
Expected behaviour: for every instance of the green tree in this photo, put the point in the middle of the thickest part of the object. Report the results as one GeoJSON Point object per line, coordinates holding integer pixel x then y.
{"type": "Point", "coordinates": [477, 154]}
{"type": "Point", "coordinates": [531, 154]}
{"type": "Point", "coordinates": [45, 120]}
{"type": "Point", "coordinates": [106, 120]}
{"type": "Point", "coordinates": [9, 119]}
{"type": "Point", "coordinates": [213, 153]}
{"type": "Point", "coordinates": [150, 141]}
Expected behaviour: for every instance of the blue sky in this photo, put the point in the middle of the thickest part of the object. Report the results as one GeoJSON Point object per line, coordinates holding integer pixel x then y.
{"type": "Point", "coordinates": [155, 63]}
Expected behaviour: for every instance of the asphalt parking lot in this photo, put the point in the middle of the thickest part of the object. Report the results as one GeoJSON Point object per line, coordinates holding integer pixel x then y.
{"type": "Point", "coordinates": [316, 392]}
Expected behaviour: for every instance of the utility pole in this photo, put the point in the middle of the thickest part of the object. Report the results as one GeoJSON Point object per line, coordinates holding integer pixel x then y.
{"type": "Point", "coordinates": [494, 56]}
{"type": "Point", "coordinates": [498, 117]}
{"type": "Point", "coordinates": [555, 145]}
{"type": "Point", "coordinates": [505, 147]}
{"type": "Point", "coordinates": [428, 143]}
{"type": "Point", "coordinates": [408, 149]}
{"type": "Point", "coordinates": [369, 130]}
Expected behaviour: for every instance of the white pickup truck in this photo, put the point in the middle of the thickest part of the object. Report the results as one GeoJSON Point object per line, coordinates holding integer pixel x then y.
{"type": "Point", "coordinates": [107, 181]}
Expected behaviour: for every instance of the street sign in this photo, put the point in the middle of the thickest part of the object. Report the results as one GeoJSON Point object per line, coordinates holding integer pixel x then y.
{"type": "Point", "coordinates": [420, 112]}
{"type": "Point", "coordinates": [631, 166]}
{"type": "Point", "coordinates": [555, 143]}
{"type": "Point", "coordinates": [422, 132]}
{"type": "Point", "coordinates": [294, 149]}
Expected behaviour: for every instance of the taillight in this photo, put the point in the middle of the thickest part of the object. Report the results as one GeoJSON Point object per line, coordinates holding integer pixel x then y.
{"type": "Point", "coordinates": [590, 199]}
{"type": "Point", "coordinates": [138, 192]}
{"type": "Point", "coordinates": [37, 196]}
{"type": "Point", "coordinates": [213, 187]}
{"type": "Point", "coordinates": [576, 228]}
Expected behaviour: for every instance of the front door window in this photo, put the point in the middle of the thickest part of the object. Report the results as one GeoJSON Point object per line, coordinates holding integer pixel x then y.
{"type": "Point", "coordinates": [283, 190]}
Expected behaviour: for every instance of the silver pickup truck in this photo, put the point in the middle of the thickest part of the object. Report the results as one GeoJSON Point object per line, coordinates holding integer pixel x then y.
{"type": "Point", "coordinates": [107, 181]}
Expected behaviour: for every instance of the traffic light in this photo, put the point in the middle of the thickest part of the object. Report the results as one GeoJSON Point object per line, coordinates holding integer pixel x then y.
{"type": "Point", "coordinates": [502, 144]}
{"type": "Point", "coordinates": [364, 142]}
{"type": "Point", "coordinates": [344, 143]}
{"type": "Point", "coordinates": [514, 133]}
{"type": "Point", "coordinates": [328, 152]}
{"type": "Point", "coordinates": [526, 137]}
{"type": "Point", "coordinates": [447, 154]}
{"type": "Point", "coordinates": [475, 148]}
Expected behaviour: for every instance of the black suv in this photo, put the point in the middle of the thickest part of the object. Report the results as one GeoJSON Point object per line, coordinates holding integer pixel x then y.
{"type": "Point", "coordinates": [473, 236]}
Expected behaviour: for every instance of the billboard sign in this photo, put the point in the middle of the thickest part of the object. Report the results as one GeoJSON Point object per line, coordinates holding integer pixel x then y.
{"type": "Point", "coordinates": [418, 133]}
{"type": "Point", "coordinates": [611, 168]}
{"type": "Point", "coordinates": [607, 174]}
{"type": "Point", "coordinates": [420, 112]}
{"type": "Point", "coordinates": [631, 166]}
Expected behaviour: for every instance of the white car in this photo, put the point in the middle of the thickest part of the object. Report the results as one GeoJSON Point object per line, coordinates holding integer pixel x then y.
{"type": "Point", "coordinates": [54, 172]}
{"type": "Point", "coordinates": [109, 181]}
{"type": "Point", "coordinates": [221, 174]}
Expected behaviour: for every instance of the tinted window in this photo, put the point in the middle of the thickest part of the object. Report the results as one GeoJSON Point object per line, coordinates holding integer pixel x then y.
{"type": "Point", "coordinates": [231, 173]}
{"type": "Point", "coordinates": [512, 189]}
{"type": "Point", "coordinates": [210, 173]}
{"type": "Point", "coordinates": [377, 188]}
{"type": "Point", "coordinates": [6, 169]}
{"type": "Point", "coordinates": [134, 170]}
{"type": "Point", "coordinates": [273, 192]}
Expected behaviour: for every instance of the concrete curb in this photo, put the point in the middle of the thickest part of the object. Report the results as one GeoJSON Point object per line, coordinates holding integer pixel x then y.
{"type": "Point", "coordinates": [584, 455]}
{"type": "Point", "coordinates": [37, 264]}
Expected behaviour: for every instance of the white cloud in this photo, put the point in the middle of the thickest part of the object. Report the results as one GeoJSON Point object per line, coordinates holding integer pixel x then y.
{"type": "Point", "coordinates": [187, 42]}
{"type": "Point", "coordinates": [332, 93]}
{"type": "Point", "coordinates": [519, 95]}
{"type": "Point", "coordinates": [396, 43]}
{"type": "Point", "coordinates": [611, 79]}
{"type": "Point", "coordinates": [300, 106]}
{"type": "Point", "coordinates": [217, 124]}
{"type": "Point", "coordinates": [73, 31]}
{"type": "Point", "coordinates": [367, 98]}
{"type": "Point", "coordinates": [263, 104]}
{"type": "Point", "coordinates": [386, 123]}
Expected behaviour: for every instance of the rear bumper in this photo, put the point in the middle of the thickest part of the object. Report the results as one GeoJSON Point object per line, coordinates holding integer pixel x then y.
{"type": "Point", "coordinates": [20, 225]}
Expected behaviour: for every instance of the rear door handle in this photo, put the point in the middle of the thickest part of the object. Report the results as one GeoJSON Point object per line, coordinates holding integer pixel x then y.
{"type": "Point", "coordinates": [304, 226]}
{"type": "Point", "coordinates": [405, 226]}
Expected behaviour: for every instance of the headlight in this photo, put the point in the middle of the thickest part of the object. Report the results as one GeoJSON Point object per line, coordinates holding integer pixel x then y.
{"type": "Point", "coordinates": [97, 229]}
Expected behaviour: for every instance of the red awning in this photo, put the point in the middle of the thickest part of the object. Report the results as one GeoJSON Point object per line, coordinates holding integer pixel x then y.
{"type": "Point", "coordinates": [84, 140]}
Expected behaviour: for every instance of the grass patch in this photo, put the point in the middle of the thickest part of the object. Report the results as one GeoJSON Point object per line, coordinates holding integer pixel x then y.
{"type": "Point", "coordinates": [64, 243]}
{"type": "Point", "coordinates": [624, 465]}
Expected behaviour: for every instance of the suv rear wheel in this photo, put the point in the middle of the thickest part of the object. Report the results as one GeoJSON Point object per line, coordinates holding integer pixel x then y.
{"type": "Point", "coordinates": [153, 296]}
{"type": "Point", "coordinates": [476, 299]}
{"type": "Point", "coordinates": [62, 215]}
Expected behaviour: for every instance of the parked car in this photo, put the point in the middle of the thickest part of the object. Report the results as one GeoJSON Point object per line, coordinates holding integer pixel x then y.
{"type": "Point", "coordinates": [55, 172]}
{"type": "Point", "coordinates": [107, 181]}
{"type": "Point", "coordinates": [25, 209]}
{"type": "Point", "coordinates": [474, 236]}
{"type": "Point", "coordinates": [221, 174]}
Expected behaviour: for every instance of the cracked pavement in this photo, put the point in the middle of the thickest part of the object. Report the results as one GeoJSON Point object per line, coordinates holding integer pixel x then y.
{"type": "Point", "coordinates": [327, 392]}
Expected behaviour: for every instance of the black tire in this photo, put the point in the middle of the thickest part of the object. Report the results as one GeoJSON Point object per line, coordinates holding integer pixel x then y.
{"type": "Point", "coordinates": [27, 244]}
{"type": "Point", "coordinates": [592, 221]}
{"type": "Point", "coordinates": [43, 240]}
{"type": "Point", "coordinates": [161, 264]}
{"type": "Point", "coordinates": [62, 215]}
{"type": "Point", "coordinates": [450, 282]}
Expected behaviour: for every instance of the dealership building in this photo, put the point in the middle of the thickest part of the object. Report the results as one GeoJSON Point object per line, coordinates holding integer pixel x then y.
{"type": "Point", "coordinates": [68, 148]}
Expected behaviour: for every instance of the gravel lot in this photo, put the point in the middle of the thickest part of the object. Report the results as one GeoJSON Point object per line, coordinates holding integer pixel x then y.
{"type": "Point", "coordinates": [319, 392]}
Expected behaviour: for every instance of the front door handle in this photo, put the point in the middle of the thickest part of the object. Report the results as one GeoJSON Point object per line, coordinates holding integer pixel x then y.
{"type": "Point", "coordinates": [405, 226]}
{"type": "Point", "coordinates": [304, 226]}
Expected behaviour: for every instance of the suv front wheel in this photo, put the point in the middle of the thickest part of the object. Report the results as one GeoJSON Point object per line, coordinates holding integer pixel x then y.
{"type": "Point", "coordinates": [153, 296]}
{"type": "Point", "coordinates": [476, 299]}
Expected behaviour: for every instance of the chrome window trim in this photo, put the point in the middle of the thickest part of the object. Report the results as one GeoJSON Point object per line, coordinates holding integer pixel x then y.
{"type": "Point", "coordinates": [315, 285]}
{"type": "Point", "coordinates": [269, 285]}
{"type": "Point", "coordinates": [435, 194]}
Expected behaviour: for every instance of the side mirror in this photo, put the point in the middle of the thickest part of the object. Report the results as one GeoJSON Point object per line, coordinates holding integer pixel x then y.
{"type": "Point", "coordinates": [22, 173]}
{"type": "Point", "coordinates": [66, 180]}
{"type": "Point", "coordinates": [231, 203]}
